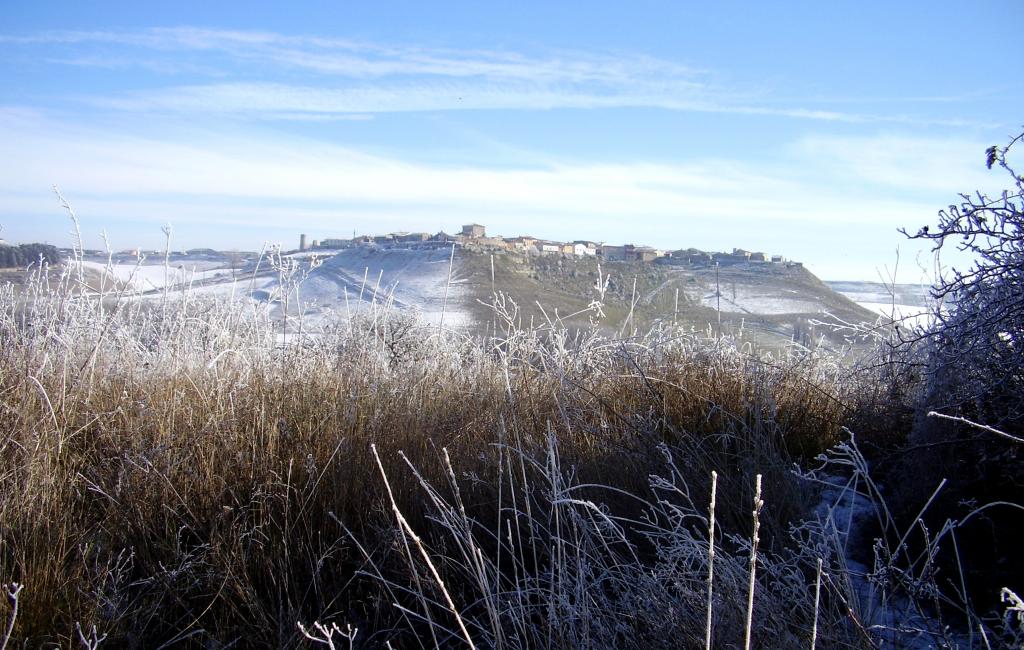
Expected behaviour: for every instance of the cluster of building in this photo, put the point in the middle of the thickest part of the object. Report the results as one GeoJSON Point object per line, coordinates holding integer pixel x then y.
{"type": "Point", "coordinates": [474, 237]}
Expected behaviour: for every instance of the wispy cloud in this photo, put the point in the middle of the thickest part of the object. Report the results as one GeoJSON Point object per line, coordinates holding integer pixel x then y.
{"type": "Point", "coordinates": [347, 76]}
{"type": "Point", "coordinates": [255, 98]}
{"type": "Point", "coordinates": [149, 64]}
{"type": "Point", "coordinates": [361, 59]}
{"type": "Point", "coordinates": [289, 101]}
{"type": "Point", "coordinates": [910, 164]}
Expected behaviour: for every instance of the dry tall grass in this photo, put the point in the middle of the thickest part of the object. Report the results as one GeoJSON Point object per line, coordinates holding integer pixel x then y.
{"type": "Point", "coordinates": [173, 472]}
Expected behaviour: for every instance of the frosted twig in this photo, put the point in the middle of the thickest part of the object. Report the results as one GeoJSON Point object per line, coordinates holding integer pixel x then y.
{"type": "Point", "coordinates": [711, 558]}
{"type": "Point", "coordinates": [444, 304]}
{"type": "Point", "coordinates": [327, 632]}
{"type": "Point", "coordinates": [11, 591]}
{"type": "Point", "coordinates": [817, 603]}
{"type": "Point", "coordinates": [89, 641]}
{"type": "Point", "coordinates": [1002, 434]}
{"type": "Point", "coordinates": [758, 503]}
{"type": "Point", "coordinates": [419, 545]}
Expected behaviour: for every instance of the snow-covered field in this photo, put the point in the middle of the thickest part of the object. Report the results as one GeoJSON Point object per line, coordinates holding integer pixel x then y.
{"type": "Point", "coordinates": [343, 284]}
{"type": "Point", "coordinates": [910, 314]}
{"type": "Point", "coordinates": [758, 300]}
{"type": "Point", "coordinates": [354, 279]}
{"type": "Point", "coordinates": [146, 277]}
{"type": "Point", "coordinates": [903, 302]}
{"type": "Point", "coordinates": [412, 279]}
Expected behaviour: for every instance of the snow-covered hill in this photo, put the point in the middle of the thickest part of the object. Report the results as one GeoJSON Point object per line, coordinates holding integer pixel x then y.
{"type": "Point", "coordinates": [343, 283]}
{"type": "Point", "coordinates": [336, 286]}
{"type": "Point", "coordinates": [413, 279]}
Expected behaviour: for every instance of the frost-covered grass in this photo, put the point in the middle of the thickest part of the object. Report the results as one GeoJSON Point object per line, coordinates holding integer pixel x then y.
{"type": "Point", "coordinates": [196, 471]}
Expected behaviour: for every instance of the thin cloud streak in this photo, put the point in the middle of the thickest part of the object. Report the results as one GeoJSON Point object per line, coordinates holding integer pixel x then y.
{"type": "Point", "coordinates": [360, 59]}
{"type": "Point", "coordinates": [285, 101]}
{"type": "Point", "coordinates": [364, 77]}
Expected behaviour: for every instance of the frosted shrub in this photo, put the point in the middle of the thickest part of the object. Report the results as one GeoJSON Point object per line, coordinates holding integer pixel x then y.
{"type": "Point", "coordinates": [969, 426]}
{"type": "Point", "coordinates": [974, 343]}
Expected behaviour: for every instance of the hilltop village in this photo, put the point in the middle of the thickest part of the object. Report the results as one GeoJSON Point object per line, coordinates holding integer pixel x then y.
{"type": "Point", "coordinates": [474, 237]}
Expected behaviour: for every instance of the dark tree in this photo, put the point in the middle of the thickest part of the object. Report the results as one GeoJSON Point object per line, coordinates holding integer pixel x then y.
{"type": "Point", "coordinates": [25, 254]}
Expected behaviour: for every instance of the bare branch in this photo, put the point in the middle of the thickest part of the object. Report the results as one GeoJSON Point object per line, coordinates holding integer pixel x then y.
{"type": "Point", "coordinates": [1002, 434]}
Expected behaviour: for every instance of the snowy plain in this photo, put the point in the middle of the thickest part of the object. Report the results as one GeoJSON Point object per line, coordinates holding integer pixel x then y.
{"type": "Point", "coordinates": [336, 286]}
{"type": "Point", "coordinates": [147, 277]}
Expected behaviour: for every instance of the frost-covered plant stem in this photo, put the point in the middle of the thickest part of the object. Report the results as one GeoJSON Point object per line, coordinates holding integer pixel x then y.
{"type": "Point", "coordinates": [327, 632]}
{"type": "Point", "coordinates": [711, 559]}
{"type": "Point", "coordinates": [983, 427]}
{"type": "Point", "coordinates": [758, 503]}
{"type": "Point", "coordinates": [78, 248]}
{"type": "Point", "coordinates": [817, 605]}
{"type": "Point", "coordinates": [448, 284]}
{"type": "Point", "coordinates": [167, 266]}
{"type": "Point", "coordinates": [12, 591]}
{"type": "Point", "coordinates": [407, 529]}
{"type": "Point", "coordinates": [90, 641]}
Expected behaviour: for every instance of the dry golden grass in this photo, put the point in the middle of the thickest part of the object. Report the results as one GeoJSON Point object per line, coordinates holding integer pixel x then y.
{"type": "Point", "coordinates": [172, 471]}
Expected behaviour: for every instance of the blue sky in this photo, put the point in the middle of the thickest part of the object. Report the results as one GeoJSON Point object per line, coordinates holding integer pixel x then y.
{"type": "Point", "coordinates": [813, 130]}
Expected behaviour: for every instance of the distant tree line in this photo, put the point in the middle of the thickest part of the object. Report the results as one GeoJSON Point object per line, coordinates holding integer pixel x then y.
{"type": "Point", "coordinates": [24, 254]}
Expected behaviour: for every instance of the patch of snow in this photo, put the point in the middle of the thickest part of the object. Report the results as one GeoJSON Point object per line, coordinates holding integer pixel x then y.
{"type": "Point", "coordinates": [410, 278]}
{"type": "Point", "coordinates": [876, 292]}
{"type": "Point", "coordinates": [910, 315]}
{"type": "Point", "coordinates": [842, 513]}
{"type": "Point", "coordinates": [147, 277]}
{"type": "Point", "coordinates": [756, 300]}
{"type": "Point", "coordinates": [407, 279]}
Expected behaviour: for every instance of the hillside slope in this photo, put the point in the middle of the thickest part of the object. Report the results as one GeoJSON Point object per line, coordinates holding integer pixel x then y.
{"type": "Point", "coordinates": [767, 304]}
{"type": "Point", "coordinates": [412, 279]}
{"type": "Point", "coordinates": [770, 303]}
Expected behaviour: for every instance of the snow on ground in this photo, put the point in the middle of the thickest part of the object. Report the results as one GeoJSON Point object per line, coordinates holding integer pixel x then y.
{"type": "Point", "coordinates": [412, 279]}
{"type": "Point", "coordinates": [355, 280]}
{"type": "Point", "coordinates": [146, 277]}
{"type": "Point", "coordinates": [875, 292]}
{"type": "Point", "coordinates": [227, 286]}
{"type": "Point", "coordinates": [760, 300]}
{"type": "Point", "coordinates": [844, 512]}
{"type": "Point", "coordinates": [867, 296]}
{"type": "Point", "coordinates": [911, 306]}
{"type": "Point", "coordinates": [909, 315]}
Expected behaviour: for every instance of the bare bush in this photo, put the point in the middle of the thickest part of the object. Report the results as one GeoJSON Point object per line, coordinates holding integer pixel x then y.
{"type": "Point", "coordinates": [970, 420]}
{"type": "Point", "coordinates": [974, 344]}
